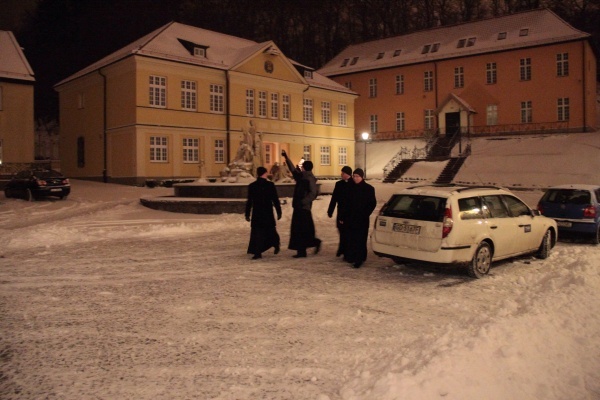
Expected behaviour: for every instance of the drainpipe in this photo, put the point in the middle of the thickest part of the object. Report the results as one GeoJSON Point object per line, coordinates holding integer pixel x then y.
{"type": "Point", "coordinates": [584, 87]}
{"type": "Point", "coordinates": [227, 118]}
{"type": "Point", "coordinates": [105, 144]}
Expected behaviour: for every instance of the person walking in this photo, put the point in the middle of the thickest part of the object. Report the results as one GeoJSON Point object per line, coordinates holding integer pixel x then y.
{"type": "Point", "coordinates": [339, 198]}
{"type": "Point", "coordinates": [361, 204]}
{"type": "Point", "coordinates": [302, 234]}
{"type": "Point", "coordinates": [262, 198]}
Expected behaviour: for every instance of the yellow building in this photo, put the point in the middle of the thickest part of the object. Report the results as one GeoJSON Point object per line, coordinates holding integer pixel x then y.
{"type": "Point", "coordinates": [527, 72]}
{"type": "Point", "coordinates": [178, 103]}
{"type": "Point", "coordinates": [16, 106]}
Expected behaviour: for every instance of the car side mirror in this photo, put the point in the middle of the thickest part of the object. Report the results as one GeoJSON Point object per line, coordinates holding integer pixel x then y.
{"type": "Point", "coordinates": [536, 213]}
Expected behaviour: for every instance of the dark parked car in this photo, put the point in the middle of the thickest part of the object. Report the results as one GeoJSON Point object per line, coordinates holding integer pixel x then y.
{"type": "Point", "coordinates": [575, 208]}
{"type": "Point", "coordinates": [35, 183]}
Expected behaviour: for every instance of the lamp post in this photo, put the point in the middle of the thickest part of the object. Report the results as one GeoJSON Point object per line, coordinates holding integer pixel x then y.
{"type": "Point", "coordinates": [365, 138]}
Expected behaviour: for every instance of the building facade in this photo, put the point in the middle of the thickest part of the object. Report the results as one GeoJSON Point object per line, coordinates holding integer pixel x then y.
{"type": "Point", "coordinates": [16, 106]}
{"type": "Point", "coordinates": [527, 72]}
{"type": "Point", "coordinates": [179, 102]}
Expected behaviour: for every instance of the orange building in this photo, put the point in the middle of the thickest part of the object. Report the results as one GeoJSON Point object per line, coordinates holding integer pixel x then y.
{"type": "Point", "coordinates": [527, 72]}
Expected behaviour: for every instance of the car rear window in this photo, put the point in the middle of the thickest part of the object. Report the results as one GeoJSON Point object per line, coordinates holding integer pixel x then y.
{"type": "Point", "coordinates": [423, 208]}
{"type": "Point", "coordinates": [572, 196]}
{"type": "Point", "coordinates": [48, 174]}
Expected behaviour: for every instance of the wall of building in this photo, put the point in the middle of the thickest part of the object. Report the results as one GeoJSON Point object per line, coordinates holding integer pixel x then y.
{"type": "Point", "coordinates": [17, 122]}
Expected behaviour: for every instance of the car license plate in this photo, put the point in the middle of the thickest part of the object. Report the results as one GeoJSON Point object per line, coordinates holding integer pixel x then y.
{"type": "Point", "coordinates": [564, 224]}
{"type": "Point", "coordinates": [405, 228]}
{"type": "Point", "coordinates": [56, 190]}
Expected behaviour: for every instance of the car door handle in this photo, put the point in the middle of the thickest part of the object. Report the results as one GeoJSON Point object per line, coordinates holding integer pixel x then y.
{"type": "Point", "coordinates": [522, 225]}
{"type": "Point", "coordinates": [493, 227]}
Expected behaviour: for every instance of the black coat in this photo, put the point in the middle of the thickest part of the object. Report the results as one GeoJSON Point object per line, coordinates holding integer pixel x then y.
{"type": "Point", "coordinates": [362, 203]}
{"type": "Point", "coordinates": [340, 198]}
{"type": "Point", "coordinates": [262, 198]}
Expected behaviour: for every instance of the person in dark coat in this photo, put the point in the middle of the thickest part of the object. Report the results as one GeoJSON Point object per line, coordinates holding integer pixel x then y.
{"type": "Point", "coordinates": [362, 203]}
{"type": "Point", "coordinates": [340, 197]}
{"type": "Point", "coordinates": [262, 197]}
{"type": "Point", "coordinates": [302, 234]}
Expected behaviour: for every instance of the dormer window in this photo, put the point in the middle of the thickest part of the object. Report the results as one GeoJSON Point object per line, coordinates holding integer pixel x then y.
{"type": "Point", "coordinates": [471, 41]}
{"type": "Point", "coordinates": [426, 49]}
{"type": "Point", "coordinates": [397, 53]}
{"type": "Point", "coordinates": [354, 61]}
{"type": "Point", "coordinates": [380, 55]}
{"type": "Point", "coordinates": [199, 52]}
{"type": "Point", "coordinates": [502, 36]}
{"type": "Point", "coordinates": [308, 74]}
{"type": "Point", "coordinates": [524, 32]}
{"type": "Point", "coordinates": [345, 62]}
{"type": "Point", "coordinates": [461, 43]}
{"type": "Point", "coordinates": [435, 47]}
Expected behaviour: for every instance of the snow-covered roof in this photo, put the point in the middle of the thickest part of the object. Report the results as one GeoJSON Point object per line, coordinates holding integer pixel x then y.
{"type": "Point", "coordinates": [531, 28]}
{"type": "Point", "coordinates": [172, 42]}
{"type": "Point", "coordinates": [13, 64]}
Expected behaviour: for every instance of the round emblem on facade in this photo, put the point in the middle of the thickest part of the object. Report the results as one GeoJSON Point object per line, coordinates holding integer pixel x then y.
{"type": "Point", "coordinates": [269, 66]}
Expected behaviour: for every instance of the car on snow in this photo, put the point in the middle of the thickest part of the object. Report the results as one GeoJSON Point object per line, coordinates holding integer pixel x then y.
{"type": "Point", "coordinates": [575, 208]}
{"type": "Point", "coordinates": [448, 224]}
{"type": "Point", "coordinates": [32, 184]}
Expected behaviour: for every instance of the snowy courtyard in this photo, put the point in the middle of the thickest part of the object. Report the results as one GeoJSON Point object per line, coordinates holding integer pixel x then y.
{"type": "Point", "coordinates": [103, 298]}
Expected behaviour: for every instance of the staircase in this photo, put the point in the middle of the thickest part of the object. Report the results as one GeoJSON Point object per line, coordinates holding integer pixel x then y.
{"type": "Point", "coordinates": [440, 150]}
{"type": "Point", "coordinates": [398, 171]}
{"type": "Point", "coordinates": [451, 169]}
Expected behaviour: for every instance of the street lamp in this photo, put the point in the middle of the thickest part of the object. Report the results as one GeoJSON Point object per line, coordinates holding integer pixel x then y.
{"type": "Point", "coordinates": [365, 138]}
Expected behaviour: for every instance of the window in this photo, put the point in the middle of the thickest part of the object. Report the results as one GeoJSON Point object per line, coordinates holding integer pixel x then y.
{"type": "Point", "coordinates": [471, 41]}
{"type": "Point", "coordinates": [285, 106]}
{"type": "Point", "coordinates": [461, 43]}
{"type": "Point", "coordinates": [425, 49]}
{"type": "Point", "coordinates": [501, 35]}
{"type": "Point", "coordinates": [342, 115]}
{"type": "Point", "coordinates": [373, 123]}
{"type": "Point", "coordinates": [516, 207]}
{"type": "Point", "coordinates": [268, 153]}
{"type": "Point", "coordinates": [158, 148]}
{"type": "Point", "coordinates": [326, 112]}
{"type": "Point", "coordinates": [262, 104]}
{"type": "Point", "coordinates": [250, 102]}
{"type": "Point", "coordinates": [563, 109]}
{"type": "Point", "coordinates": [343, 156]}
{"type": "Point", "coordinates": [190, 150]}
{"type": "Point", "coordinates": [525, 69]}
{"type": "Point", "coordinates": [494, 207]}
{"type": "Point", "coordinates": [80, 152]}
{"type": "Point", "coordinates": [562, 64]}
{"type": "Point", "coordinates": [188, 95]}
{"type": "Point", "coordinates": [429, 119]}
{"type": "Point", "coordinates": [470, 208]}
{"type": "Point", "coordinates": [199, 52]}
{"type": "Point", "coordinates": [306, 152]}
{"type": "Point", "coordinates": [216, 98]}
{"type": "Point", "coordinates": [380, 55]}
{"type": "Point", "coordinates": [397, 52]}
{"type": "Point", "coordinates": [399, 121]}
{"type": "Point", "coordinates": [373, 87]}
{"type": "Point", "coordinates": [219, 151]}
{"type": "Point", "coordinates": [80, 101]}
{"type": "Point", "coordinates": [428, 81]}
{"type": "Point", "coordinates": [325, 155]}
{"type": "Point", "coordinates": [524, 32]}
{"type": "Point", "coordinates": [348, 85]}
{"type": "Point", "coordinates": [399, 84]}
{"type": "Point", "coordinates": [526, 112]}
{"type": "Point", "coordinates": [492, 114]}
{"type": "Point", "coordinates": [490, 73]}
{"type": "Point", "coordinates": [435, 47]}
{"type": "Point", "coordinates": [158, 91]}
{"type": "Point", "coordinates": [274, 105]}
{"type": "Point", "coordinates": [345, 62]}
{"type": "Point", "coordinates": [459, 77]}
{"type": "Point", "coordinates": [308, 74]}
{"type": "Point", "coordinates": [354, 61]}
{"type": "Point", "coordinates": [307, 112]}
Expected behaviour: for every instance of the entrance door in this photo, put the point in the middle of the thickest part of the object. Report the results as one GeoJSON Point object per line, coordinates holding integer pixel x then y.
{"type": "Point", "coordinates": [452, 123]}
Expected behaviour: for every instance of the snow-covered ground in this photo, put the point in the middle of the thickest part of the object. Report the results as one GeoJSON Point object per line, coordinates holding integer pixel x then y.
{"type": "Point", "coordinates": [101, 297]}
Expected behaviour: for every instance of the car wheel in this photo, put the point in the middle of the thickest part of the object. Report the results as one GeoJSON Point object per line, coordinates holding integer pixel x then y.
{"type": "Point", "coordinates": [596, 238]}
{"type": "Point", "coordinates": [544, 250]}
{"type": "Point", "coordinates": [481, 262]}
{"type": "Point", "coordinates": [29, 195]}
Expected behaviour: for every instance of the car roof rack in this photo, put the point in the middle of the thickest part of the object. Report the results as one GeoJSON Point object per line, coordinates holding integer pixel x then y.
{"type": "Point", "coordinates": [478, 187]}
{"type": "Point", "coordinates": [433, 185]}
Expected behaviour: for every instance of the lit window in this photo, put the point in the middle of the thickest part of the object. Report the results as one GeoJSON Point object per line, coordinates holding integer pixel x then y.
{"type": "Point", "coordinates": [274, 105]}
{"type": "Point", "coordinates": [262, 104]}
{"type": "Point", "coordinates": [492, 114]}
{"type": "Point", "coordinates": [326, 112]}
{"type": "Point", "coordinates": [306, 152]}
{"type": "Point", "coordinates": [343, 156]}
{"type": "Point", "coordinates": [199, 52]}
{"type": "Point", "coordinates": [216, 98]}
{"type": "Point", "coordinates": [250, 102]}
{"type": "Point", "coordinates": [158, 91]}
{"type": "Point", "coordinates": [342, 115]}
{"type": "Point", "coordinates": [325, 155]}
{"type": "Point", "coordinates": [307, 112]}
{"type": "Point", "coordinates": [188, 95]}
{"type": "Point", "coordinates": [190, 150]}
{"type": "Point", "coordinates": [285, 106]}
{"type": "Point", "coordinates": [219, 151]}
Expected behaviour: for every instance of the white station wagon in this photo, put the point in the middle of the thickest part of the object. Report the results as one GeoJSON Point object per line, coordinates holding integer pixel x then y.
{"type": "Point", "coordinates": [460, 225]}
